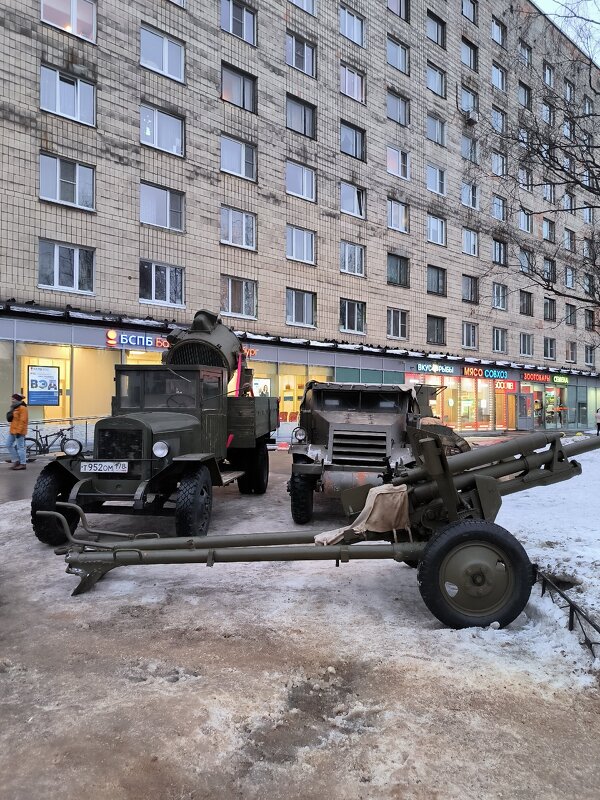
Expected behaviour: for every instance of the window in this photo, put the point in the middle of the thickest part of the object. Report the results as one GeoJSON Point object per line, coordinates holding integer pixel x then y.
{"type": "Point", "coordinates": [352, 199]}
{"type": "Point", "coordinates": [569, 277]}
{"type": "Point", "coordinates": [549, 270]}
{"type": "Point", "coordinates": [305, 5]}
{"type": "Point", "coordinates": [498, 163]}
{"type": "Point", "coordinates": [238, 88]}
{"type": "Point", "coordinates": [569, 202]}
{"type": "Point", "coordinates": [569, 91]}
{"type": "Point", "coordinates": [588, 283]}
{"type": "Point", "coordinates": [469, 335]}
{"type": "Point", "coordinates": [526, 344]}
{"type": "Point", "coordinates": [74, 16]}
{"type": "Point", "coordinates": [66, 182]}
{"type": "Point", "coordinates": [397, 108]}
{"type": "Point", "coordinates": [548, 230]}
{"type": "Point", "coordinates": [238, 19]}
{"type": "Point", "coordinates": [398, 216]}
{"type": "Point", "coordinates": [352, 140]}
{"type": "Point", "coordinates": [300, 244]}
{"type": "Point", "coordinates": [161, 130]}
{"type": "Point", "coordinates": [588, 106]}
{"type": "Point", "coordinates": [161, 283]}
{"type": "Point", "coordinates": [588, 213]}
{"type": "Point", "coordinates": [436, 280]}
{"type": "Point", "coordinates": [238, 228]}
{"type": "Point", "coordinates": [569, 240]}
{"type": "Point", "coordinates": [300, 54]}
{"type": "Point", "coordinates": [569, 129]}
{"type": "Point", "coordinates": [498, 120]}
{"type": "Point", "coordinates": [548, 74]}
{"type": "Point", "coordinates": [499, 340]}
{"type": "Point", "coordinates": [469, 54]}
{"type": "Point", "coordinates": [549, 309]}
{"type": "Point", "coordinates": [300, 116]}
{"type": "Point", "coordinates": [525, 260]}
{"type": "Point", "coordinates": [436, 179]}
{"type": "Point", "coordinates": [498, 77]}
{"type": "Point", "coordinates": [469, 195]}
{"type": "Point", "coordinates": [300, 180]}
{"type": "Point", "coordinates": [436, 129]}
{"type": "Point", "coordinates": [398, 55]}
{"type": "Point", "coordinates": [401, 8]}
{"type": "Point", "coordinates": [524, 95]}
{"type": "Point", "coordinates": [499, 252]}
{"type": "Point", "coordinates": [525, 220]}
{"type": "Point", "coordinates": [352, 258]}
{"type": "Point", "coordinates": [587, 248]}
{"type": "Point", "coordinates": [161, 53]}
{"type": "Point", "coordinates": [470, 241]}
{"type": "Point", "coordinates": [398, 163]}
{"type": "Point", "coordinates": [397, 323]}
{"type": "Point", "coordinates": [525, 178]}
{"type": "Point", "coordinates": [549, 348]}
{"type": "Point", "coordinates": [351, 25]}
{"type": "Point", "coordinates": [524, 53]}
{"type": "Point", "coordinates": [548, 113]}
{"type": "Point", "coordinates": [589, 355]}
{"type": "Point", "coordinates": [352, 316]}
{"type": "Point", "coordinates": [468, 148]}
{"type": "Point", "coordinates": [469, 100]}
{"type": "Point", "coordinates": [526, 303]}
{"type": "Point", "coordinates": [549, 192]}
{"type": "Point", "coordinates": [161, 207]}
{"type": "Point", "coordinates": [352, 83]}
{"type": "Point", "coordinates": [398, 270]}
{"type": "Point", "coordinates": [300, 307]}
{"type": "Point", "coordinates": [67, 96]}
{"type": "Point", "coordinates": [500, 296]}
{"type": "Point", "coordinates": [570, 314]}
{"type": "Point", "coordinates": [66, 267]}
{"type": "Point", "coordinates": [238, 158]}
{"type": "Point", "coordinates": [470, 289]}
{"type": "Point", "coordinates": [436, 229]}
{"type": "Point", "coordinates": [238, 297]}
{"type": "Point", "coordinates": [436, 330]}
{"type": "Point", "coordinates": [469, 10]}
{"type": "Point", "coordinates": [436, 79]}
{"type": "Point", "coordinates": [589, 319]}
{"type": "Point", "coordinates": [498, 207]}
{"type": "Point", "coordinates": [436, 29]}
{"type": "Point", "coordinates": [499, 32]}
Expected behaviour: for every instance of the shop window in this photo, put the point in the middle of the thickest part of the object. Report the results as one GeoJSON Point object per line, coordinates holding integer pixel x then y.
{"type": "Point", "coordinates": [161, 130]}
{"type": "Point", "coordinates": [238, 297]}
{"type": "Point", "coordinates": [161, 283]}
{"type": "Point", "coordinates": [74, 16]}
{"type": "Point", "coordinates": [239, 20]}
{"type": "Point", "coordinates": [300, 117]}
{"type": "Point", "coordinates": [45, 355]}
{"type": "Point", "coordinates": [66, 267]}
{"type": "Point", "coordinates": [238, 88]}
{"type": "Point", "coordinates": [161, 207]}
{"type": "Point", "coordinates": [161, 53]}
{"type": "Point", "coordinates": [300, 307]}
{"type": "Point", "coordinates": [238, 158]}
{"type": "Point", "coordinates": [398, 163]}
{"type": "Point", "coordinates": [67, 96]}
{"type": "Point", "coordinates": [66, 182]}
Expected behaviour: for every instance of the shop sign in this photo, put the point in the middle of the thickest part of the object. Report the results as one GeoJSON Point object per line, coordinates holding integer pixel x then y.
{"type": "Point", "coordinates": [560, 379]}
{"type": "Point", "coordinates": [436, 369]}
{"type": "Point", "coordinates": [536, 377]}
{"type": "Point", "coordinates": [122, 340]}
{"type": "Point", "coordinates": [480, 372]}
{"type": "Point", "coordinates": [250, 352]}
{"type": "Point", "coordinates": [42, 385]}
{"type": "Point", "coordinates": [508, 386]}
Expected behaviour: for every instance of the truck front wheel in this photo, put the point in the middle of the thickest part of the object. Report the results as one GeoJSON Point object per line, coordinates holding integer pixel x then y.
{"type": "Point", "coordinates": [301, 496]}
{"type": "Point", "coordinates": [53, 483]}
{"type": "Point", "coordinates": [256, 479]}
{"type": "Point", "coordinates": [194, 503]}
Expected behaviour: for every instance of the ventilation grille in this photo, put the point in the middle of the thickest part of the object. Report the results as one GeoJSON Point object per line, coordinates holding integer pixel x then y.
{"type": "Point", "coordinates": [119, 445]}
{"type": "Point", "coordinates": [356, 448]}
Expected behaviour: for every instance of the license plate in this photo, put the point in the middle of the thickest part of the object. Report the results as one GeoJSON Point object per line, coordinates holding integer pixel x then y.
{"type": "Point", "coordinates": [103, 466]}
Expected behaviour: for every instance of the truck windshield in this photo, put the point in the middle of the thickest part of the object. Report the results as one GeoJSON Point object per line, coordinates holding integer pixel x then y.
{"type": "Point", "coordinates": [156, 389]}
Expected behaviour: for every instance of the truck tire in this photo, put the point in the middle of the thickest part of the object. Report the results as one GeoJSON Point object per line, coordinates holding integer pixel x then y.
{"type": "Point", "coordinates": [53, 483]}
{"type": "Point", "coordinates": [301, 498]}
{"type": "Point", "coordinates": [474, 573]}
{"type": "Point", "coordinates": [194, 503]}
{"type": "Point", "coordinates": [256, 467]}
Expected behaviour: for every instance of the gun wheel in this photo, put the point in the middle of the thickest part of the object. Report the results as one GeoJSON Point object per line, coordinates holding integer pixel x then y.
{"type": "Point", "coordinates": [474, 573]}
{"type": "Point", "coordinates": [194, 503]}
{"type": "Point", "coordinates": [301, 498]}
{"type": "Point", "coordinates": [53, 483]}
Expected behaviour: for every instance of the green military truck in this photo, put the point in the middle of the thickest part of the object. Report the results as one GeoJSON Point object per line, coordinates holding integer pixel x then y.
{"type": "Point", "coordinates": [173, 434]}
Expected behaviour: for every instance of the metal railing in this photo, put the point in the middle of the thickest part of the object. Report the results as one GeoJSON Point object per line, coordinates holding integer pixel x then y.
{"type": "Point", "coordinates": [83, 430]}
{"type": "Point", "coordinates": [587, 628]}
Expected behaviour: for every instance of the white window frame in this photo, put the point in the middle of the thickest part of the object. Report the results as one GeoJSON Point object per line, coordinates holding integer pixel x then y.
{"type": "Point", "coordinates": [346, 312]}
{"type": "Point", "coordinates": [570, 277]}
{"type": "Point", "coordinates": [307, 177]}
{"type": "Point", "coordinates": [498, 77]}
{"type": "Point", "coordinates": [549, 192]}
{"type": "Point", "coordinates": [469, 100]}
{"type": "Point", "coordinates": [72, 25]}
{"type": "Point", "coordinates": [398, 216]}
{"type": "Point", "coordinates": [524, 53]}
{"type": "Point", "coordinates": [78, 83]}
{"type": "Point", "coordinates": [526, 344]}
{"type": "Point", "coordinates": [436, 179]}
{"type": "Point", "coordinates": [246, 282]}
{"type": "Point", "coordinates": [470, 242]}
{"type": "Point", "coordinates": [248, 20]}
{"type": "Point", "coordinates": [306, 62]}
{"type": "Point", "coordinates": [498, 119]}
{"type": "Point", "coordinates": [398, 162]}
{"type": "Point", "coordinates": [498, 203]}
{"type": "Point", "coordinates": [352, 25]}
{"type": "Point", "coordinates": [352, 82]}
{"type": "Point", "coordinates": [359, 206]}
{"type": "Point", "coordinates": [402, 51]}
{"type": "Point", "coordinates": [55, 197]}
{"type": "Point", "coordinates": [242, 151]}
{"type": "Point", "coordinates": [305, 5]}
{"type": "Point", "coordinates": [436, 79]}
{"type": "Point", "coordinates": [469, 54]}
{"type": "Point", "coordinates": [498, 163]}
{"type": "Point", "coordinates": [548, 113]}
{"type": "Point", "coordinates": [308, 114]}
{"type": "Point", "coordinates": [549, 348]}
{"type": "Point", "coordinates": [56, 286]}
{"type": "Point", "coordinates": [469, 195]}
{"type": "Point", "coordinates": [300, 244]}
{"type": "Point", "coordinates": [569, 242]}
{"type": "Point", "coordinates": [548, 74]}
{"type": "Point", "coordinates": [398, 108]}
{"type": "Point", "coordinates": [170, 268]}
{"type": "Point", "coordinates": [440, 129]}
{"type": "Point", "coordinates": [352, 258]}
{"type": "Point", "coordinates": [176, 75]}
{"type": "Point", "coordinates": [157, 114]}
{"type": "Point", "coordinates": [470, 335]}
{"type": "Point", "coordinates": [436, 230]}
{"type": "Point", "coordinates": [525, 220]}
{"type": "Point", "coordinates": [499, 340]}
{"type": "Point", "coordinates": [308, 301]}
{"type": "Point", "coordinates": [589, 355]}
{"type": "Point", "coordinates": [500, 296]}
{"type": "Point", "coordinates": [498, 32]}
{"type": "Point", "coordinates": [397, 322]}
{"type": "Point", "coordinates": [359, 137]}
{"type": "Point", "coordinates": [169, 194]}
{"type": "Point", "coordinates": [247, 87]}
{"type": "Point", "coordinates": [246, 218]}
{"type": "Point", "coordinates": [587, 212]}
{"type": "Point", "coordinates": [469, 149]}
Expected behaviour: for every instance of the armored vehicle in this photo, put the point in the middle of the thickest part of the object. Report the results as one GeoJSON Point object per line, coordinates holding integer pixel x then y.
{"type": "Point", "coordinates": [351, 437]}
{"type": "Point", "coordinates": [173, 435]}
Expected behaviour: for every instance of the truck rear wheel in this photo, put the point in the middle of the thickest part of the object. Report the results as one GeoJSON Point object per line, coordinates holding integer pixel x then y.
{"type": "Point", "coordinates": [474, 573]}
{"type": "Point", "coordinates": [256, 467]}
{"type": "Point", "coordinates": [194, 503]}
{"type": "Point", "coordinates": [53, 483]}
{"type": "Point", "coordinates": [301, 497]}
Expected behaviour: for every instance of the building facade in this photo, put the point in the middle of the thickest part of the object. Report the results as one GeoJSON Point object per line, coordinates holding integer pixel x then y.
{"type": "Point", "coordinates": [347, 182]}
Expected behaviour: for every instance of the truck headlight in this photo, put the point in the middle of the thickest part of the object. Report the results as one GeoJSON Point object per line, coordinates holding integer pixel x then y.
{"type": "Point", "coordinates": [299, 434]}
{"type": "Point", "coordinates": [160, 449]}
{"type": "Point", "coordinates": [71, 447]}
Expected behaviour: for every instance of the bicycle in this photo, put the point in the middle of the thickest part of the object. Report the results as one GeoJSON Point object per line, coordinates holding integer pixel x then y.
{"type": "Point", "coordinates": [43, 444]}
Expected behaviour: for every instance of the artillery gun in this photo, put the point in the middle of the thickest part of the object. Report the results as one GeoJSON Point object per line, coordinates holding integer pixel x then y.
{"type": "Point", "coordinates": [437, 514]}
{"type": "Point", "coordinates": [174, 433]}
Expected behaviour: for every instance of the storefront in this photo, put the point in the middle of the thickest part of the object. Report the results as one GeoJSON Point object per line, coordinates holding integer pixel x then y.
{"type": "Point", "coordinates": [550, 400]}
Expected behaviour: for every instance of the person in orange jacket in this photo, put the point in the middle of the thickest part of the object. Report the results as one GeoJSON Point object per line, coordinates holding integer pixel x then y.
{"type": "Point", "coordinates": [18, 417]}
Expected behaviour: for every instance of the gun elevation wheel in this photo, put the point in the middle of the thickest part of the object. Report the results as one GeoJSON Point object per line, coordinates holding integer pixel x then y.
{"type": "Point", "coordinates": [53, 483]}
{"type": "Point", "coordinates": [301, 497]}
{"type": "Point", "coordinates": [474, 573]}
{"type": "Point", "coordinates": [194, 503]}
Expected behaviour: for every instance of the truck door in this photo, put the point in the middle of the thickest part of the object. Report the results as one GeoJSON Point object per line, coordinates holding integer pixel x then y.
{"type": "Point", "coordinates": [214, 417]}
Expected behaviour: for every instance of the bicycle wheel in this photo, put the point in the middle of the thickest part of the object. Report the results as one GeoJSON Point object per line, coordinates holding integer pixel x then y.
{"type": "Point", "coordinates": [32, 449]}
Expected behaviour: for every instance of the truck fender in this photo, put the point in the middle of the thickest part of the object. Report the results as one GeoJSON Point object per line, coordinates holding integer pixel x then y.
{"type": "Point", "coordinates": [209, 461]}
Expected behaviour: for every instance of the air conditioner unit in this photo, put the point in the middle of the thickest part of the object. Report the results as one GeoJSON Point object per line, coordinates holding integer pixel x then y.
{"type": "Point", "coordinates": [471, 117]}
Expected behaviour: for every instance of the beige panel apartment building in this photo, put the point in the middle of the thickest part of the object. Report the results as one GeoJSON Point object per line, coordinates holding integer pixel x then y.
{"type": "Point", "coordinates": [351, 184]}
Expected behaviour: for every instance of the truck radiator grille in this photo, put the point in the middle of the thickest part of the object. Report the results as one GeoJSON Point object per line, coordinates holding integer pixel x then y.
{"type": "Point", "coordinates": [119, 445]}
{"type": "Point", "coordinates": [359, 447]}
{"type": "Point", "coordinates": [191, 354]}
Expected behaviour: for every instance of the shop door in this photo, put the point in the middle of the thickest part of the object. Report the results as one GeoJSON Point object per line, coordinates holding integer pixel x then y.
{"type": "Point", "coordinates": [524, 412]}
